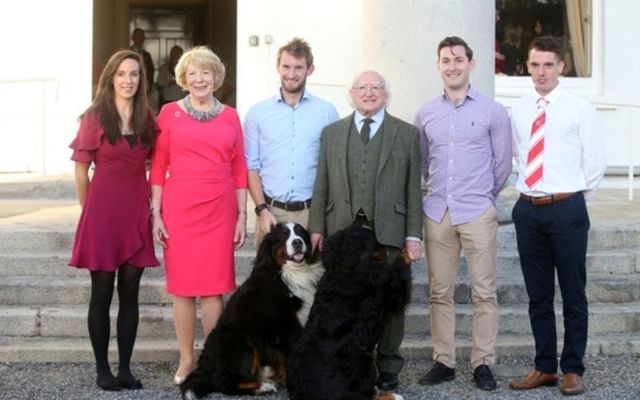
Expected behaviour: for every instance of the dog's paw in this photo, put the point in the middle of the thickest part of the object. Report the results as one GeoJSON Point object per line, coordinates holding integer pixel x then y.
{"type": "Point", "coordinates": [387, 396]}
{"type": "Point", "coordinates": [266, 387]}
{"type": "Point", "coordinates": [189, 395]}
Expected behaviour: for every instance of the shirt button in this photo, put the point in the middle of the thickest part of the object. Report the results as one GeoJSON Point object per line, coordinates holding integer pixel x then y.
{"type": "Point", "coordinates": [450, 161]}
{"type": "Point", "coordinates": [449, 195]}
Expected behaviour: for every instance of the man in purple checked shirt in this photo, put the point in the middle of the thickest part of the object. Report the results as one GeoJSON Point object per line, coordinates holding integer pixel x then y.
{"type": "Point", "coordinates": [465, 140]}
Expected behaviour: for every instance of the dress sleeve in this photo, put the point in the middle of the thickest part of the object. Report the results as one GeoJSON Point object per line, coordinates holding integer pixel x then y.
{"type": "Point", "coordinates": [160, 157]}
{"type": "Point", "coordinates": [87, 140]}
{"type": "Point", "coordinates": [238, 163]}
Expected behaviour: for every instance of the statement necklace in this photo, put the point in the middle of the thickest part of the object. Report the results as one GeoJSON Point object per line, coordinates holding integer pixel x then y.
{"type": "Point", "coordinates": [203, 116]}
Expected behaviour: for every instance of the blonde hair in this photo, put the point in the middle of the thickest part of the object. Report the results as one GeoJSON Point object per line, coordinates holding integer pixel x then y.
{"type": "Point", "coordinates": [201, 57]}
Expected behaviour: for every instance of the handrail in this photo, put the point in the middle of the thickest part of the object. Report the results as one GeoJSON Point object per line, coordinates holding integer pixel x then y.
{"type": "Point", "coordinates": [611, 104]}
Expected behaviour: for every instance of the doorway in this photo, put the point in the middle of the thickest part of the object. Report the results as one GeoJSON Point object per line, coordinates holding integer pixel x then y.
{"type": "Point", "coordinates": [166, 23]}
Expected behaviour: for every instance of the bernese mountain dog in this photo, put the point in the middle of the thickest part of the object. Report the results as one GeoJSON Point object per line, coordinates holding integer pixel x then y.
{"type": "Point", "coordinates": [334, 357]}
{"type": "Point", "coordinates": [247, 351]}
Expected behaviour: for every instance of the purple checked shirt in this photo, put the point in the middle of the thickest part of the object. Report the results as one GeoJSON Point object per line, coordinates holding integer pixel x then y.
{"type": "Point", "coordinates": [465, 155]}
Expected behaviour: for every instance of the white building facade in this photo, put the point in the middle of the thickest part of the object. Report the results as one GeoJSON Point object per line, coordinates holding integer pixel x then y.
{"type": "Point", "coordinates": [45, 76]}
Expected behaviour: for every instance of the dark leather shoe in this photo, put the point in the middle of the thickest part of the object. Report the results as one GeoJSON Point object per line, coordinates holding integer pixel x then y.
{"type": "Point", "coordinates": [533, 380]}
{"type": "Point", "coordinates": [572, 384]}
{"type": "Point", "coordinates": [483, 377]}
{"type": "Point", "coordinates": [129, 382]}
{"type": "Point", "coordinates": [387, 382]}
{"type": "Point", "coordinates": [437, 374]}
{"type": "Point", "coordinates": [110, 384]}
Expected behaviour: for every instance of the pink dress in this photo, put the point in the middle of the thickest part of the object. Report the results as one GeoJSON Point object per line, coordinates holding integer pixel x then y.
{"type": "Point", "coordinates": [114, 226]}
{"type": "Point", "coordinates": [200, 166]}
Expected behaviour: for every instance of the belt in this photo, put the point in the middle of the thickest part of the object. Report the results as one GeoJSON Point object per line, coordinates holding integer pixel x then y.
{"type": "Point", "coordinates": [546, 200]}
{"type": "Point", "coordinates": [290, 206]}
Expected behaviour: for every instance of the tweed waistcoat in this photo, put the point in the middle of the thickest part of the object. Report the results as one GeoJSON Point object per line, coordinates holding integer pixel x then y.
{"type": "Point", "coordinates": [362, 166]}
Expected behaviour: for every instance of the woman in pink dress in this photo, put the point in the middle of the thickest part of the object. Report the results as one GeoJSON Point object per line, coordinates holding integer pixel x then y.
{"type": "Point", "coordinates": [199, 195]}
{"type": "Point", "coordinates": [117, 133]}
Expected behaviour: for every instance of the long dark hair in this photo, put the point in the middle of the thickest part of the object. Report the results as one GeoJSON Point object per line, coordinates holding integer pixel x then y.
{"type": "Point", "coordinates": [104, 105]}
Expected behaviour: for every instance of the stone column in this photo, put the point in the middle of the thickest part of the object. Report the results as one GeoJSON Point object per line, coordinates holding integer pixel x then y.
{"type": "Point", "coordinates": [400, 38]}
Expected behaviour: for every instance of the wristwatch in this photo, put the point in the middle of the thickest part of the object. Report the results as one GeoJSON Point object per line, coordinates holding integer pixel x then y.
{"type": "Point", "coordinates": [260, 207]}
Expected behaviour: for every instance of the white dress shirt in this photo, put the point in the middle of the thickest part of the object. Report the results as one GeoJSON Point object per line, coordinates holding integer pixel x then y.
{"type": "Point", "coordinates": [377, 118]}
{"type": "Point", "coordinates": [574, 157]}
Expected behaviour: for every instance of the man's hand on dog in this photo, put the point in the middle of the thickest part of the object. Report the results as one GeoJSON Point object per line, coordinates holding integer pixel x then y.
{"type": "Point", "coordinates": [267, 221]}
{"type": "Point", "coordinates": [413, 248]}
{"type": "Point", "coordinates": [316, 242]}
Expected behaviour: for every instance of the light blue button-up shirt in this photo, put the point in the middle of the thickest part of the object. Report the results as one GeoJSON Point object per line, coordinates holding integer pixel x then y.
{"type": "Point", "coordinates": [282, 144]}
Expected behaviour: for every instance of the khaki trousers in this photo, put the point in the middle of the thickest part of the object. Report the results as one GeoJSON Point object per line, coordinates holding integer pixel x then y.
{"type": "Point", "coordinates": [443, 243]}
{"type": "Point", "coordinates": [300, 217]}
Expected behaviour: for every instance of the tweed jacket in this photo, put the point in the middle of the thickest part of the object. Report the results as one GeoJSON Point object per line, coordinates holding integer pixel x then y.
{"type": "Point", "coordinates": [398, 208]}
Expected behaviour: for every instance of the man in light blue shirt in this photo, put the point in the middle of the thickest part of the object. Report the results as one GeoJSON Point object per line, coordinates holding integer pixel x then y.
{"type": "Point", "coordinates": [282, 142]}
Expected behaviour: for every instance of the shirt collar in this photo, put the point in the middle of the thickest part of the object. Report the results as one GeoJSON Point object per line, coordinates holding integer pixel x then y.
{"type": "Point", "coordinates": [377, 117]}
{"type": "Point", "coordinates": [278, 97]}
{"type": "Point", "coordinates": [471, 93]}
{"type": "Point", "coordinates": [552, 97]}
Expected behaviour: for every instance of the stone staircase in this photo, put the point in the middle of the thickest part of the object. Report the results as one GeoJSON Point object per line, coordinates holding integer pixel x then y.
{"type": "Point", "coordinates": [43, 303]}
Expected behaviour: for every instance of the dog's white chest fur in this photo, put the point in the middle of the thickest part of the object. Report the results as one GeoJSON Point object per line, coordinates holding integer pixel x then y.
{"type": "Point", "coordinates": [302, 279]}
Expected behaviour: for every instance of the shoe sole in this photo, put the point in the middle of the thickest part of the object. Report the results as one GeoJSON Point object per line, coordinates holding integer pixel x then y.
{"type": "Point", "coordinates": [533, 387]}
{"type": "Point", "coordinates": [447, 379]}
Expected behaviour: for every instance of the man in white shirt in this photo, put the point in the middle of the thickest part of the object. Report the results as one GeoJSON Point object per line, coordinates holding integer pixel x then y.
{"type": "Point", "coordinates": [561, 160]}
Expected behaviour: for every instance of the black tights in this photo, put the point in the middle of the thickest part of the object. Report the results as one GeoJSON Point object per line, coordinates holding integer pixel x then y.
{"type": "Point", "coordinates": [102, 284]}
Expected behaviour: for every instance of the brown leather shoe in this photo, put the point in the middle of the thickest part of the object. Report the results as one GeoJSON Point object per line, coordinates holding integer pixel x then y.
{"type": "Point", "coordinates": [572, 384]}
{"type": "Point", "coordinates": [533, 380]}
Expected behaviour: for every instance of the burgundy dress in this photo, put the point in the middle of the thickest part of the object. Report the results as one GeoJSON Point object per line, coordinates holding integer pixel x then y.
{"type": "Point", "coordinates": [114, 227]}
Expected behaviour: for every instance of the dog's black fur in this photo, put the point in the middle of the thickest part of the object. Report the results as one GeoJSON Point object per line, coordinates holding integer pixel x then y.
{"type": "Point", "coordinates": [258, 324]}
{"type": "Point", "coordinates": [334, 357]}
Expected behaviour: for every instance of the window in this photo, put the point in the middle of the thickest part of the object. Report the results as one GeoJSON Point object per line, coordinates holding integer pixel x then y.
{"type": "Point", "coordinates": [576, 22]}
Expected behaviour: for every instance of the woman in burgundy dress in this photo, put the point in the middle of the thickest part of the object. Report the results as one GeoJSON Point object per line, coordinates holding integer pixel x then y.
{"type": "Point", "coordinates": [113, 239]}
{"type": "Point", "coordinates": [199, 209]}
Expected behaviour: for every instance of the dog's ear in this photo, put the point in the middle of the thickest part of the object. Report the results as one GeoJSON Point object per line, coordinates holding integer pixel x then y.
{"type": "Point", "coordinates": [267, 254]}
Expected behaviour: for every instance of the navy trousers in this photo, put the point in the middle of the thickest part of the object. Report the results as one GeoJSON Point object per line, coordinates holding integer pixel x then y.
{"type": "Point", "coordinates": [553, 238]}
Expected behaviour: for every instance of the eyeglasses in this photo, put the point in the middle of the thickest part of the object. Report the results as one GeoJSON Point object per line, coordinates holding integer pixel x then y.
{"type": "Point", "coordinates": [364, 88]}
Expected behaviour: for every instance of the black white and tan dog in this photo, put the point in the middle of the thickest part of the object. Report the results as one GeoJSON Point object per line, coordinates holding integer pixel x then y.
{"type": "Point", "coordinates": [247, 351]}
{"type": "Point", "coordinates": [334, 357]}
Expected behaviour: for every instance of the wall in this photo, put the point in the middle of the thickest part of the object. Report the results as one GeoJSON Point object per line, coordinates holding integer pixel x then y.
{"type": "Point", "coordinates": [332, 28]}
{"type": "Point", "coordinates": [45, 82]}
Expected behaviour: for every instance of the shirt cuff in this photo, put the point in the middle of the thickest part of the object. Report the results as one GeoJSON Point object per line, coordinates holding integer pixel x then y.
{"type": "Point", "coordinates": [413, 239]}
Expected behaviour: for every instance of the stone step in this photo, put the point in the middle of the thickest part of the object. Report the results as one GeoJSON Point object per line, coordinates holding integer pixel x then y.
{"type": "Point", "coordinates": [37, 188]}
{"type": "Point", "coordinates": [61, 349]}
{"type": "Point", "coordinates": [55, 265]}
{"type": "Point", "coordinates": [601, 288]}
{"type": "Point", "coordinates": [157, 321]}
{"type": "Point", "coordinates": [604, 318]}
{"type": "Point", "coordinates": [419, 346]}
{"type": "Point", "coordinates": [15, 239]}
{"type": "Point", "coordinates": [39, 290]}
{"type": "Point", "coordinates": [601, 237]}
{"type": "Point", "coordinates": [622, 261]}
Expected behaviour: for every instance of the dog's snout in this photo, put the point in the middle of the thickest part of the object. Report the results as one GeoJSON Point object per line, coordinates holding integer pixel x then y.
{"type": "Point", "coordinates": [297, 244]}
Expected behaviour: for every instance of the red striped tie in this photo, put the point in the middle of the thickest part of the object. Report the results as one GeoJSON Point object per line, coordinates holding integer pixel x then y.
{"type": "Point", "coordinates": [534, 168]}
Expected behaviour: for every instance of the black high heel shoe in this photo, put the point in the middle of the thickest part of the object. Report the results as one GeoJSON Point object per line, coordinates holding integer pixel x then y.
{"type": "Point", "coordinates": [129, 382]}
{"type": "Point", "coordinates": [109, 384]}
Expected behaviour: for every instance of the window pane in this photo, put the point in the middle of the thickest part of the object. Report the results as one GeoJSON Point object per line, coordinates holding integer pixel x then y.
{"type": "Point", "coordinates": [519, 21]}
